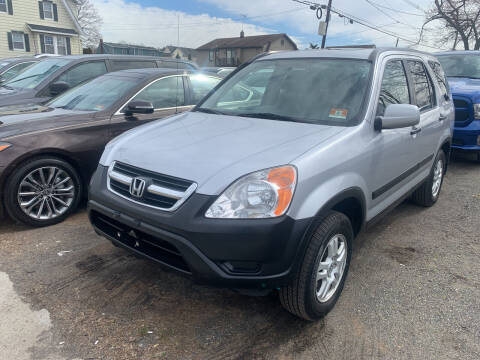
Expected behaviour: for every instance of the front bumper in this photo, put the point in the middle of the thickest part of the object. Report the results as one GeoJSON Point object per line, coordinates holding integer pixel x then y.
{"type": "Point", "coordinates": [253, 253]}
{"type": "Point", "coordinates": [466, 138]}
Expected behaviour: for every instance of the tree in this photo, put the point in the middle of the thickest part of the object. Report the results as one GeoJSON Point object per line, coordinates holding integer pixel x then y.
{"type": "Point", "coordinates": [313, 46]}
{"type": "Point", "coordinates": [90, 22]}
{"type": "Point", "coordinates": [460, 20]}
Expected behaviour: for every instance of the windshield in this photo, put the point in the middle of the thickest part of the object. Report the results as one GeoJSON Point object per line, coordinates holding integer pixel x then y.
{"type": "Point", "coordinates": [461, 65]}
{"type": "Point", "coordinates": [96, 95]}
{"type": "Point", "coordinates": [319, 91]}
{"type": "Point", "coordinates": [35, 74]}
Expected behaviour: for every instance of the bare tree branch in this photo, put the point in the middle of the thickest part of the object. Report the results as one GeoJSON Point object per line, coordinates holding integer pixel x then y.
{"type": "Point", "coordinates": [90, 21]}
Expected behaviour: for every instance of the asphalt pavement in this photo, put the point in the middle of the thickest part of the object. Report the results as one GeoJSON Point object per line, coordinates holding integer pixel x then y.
{"type": "Point", "coordinates": [413, 292]}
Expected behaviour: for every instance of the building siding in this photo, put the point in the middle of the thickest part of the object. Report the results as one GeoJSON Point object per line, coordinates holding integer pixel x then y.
{"type": "Point", "coordinates": [27, 12]}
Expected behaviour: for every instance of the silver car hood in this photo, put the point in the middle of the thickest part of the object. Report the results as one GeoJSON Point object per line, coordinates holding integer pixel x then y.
{"type": "Point", "coordinates": [214, 150]}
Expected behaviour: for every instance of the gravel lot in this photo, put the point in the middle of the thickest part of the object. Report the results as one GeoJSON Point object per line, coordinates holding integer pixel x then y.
{"type": "Point", "coordinates": [413, 292]}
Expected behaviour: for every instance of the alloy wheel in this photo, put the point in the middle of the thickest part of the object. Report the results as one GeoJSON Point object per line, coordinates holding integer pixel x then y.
{"type": "Point", "coordinates": [331, 268]}
{"type": "Point", "coordinates": [437, 178]}
{"type": "Point", "coordinates": [46, 193]}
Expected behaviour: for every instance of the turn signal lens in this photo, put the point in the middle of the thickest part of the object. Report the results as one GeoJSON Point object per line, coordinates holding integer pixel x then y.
{"type": "Point", "coordinates": [263, 194]}
{"type": "Point", "coordinates": [284, 178]}
{"type": "Point", "coordinates": [4, 146]}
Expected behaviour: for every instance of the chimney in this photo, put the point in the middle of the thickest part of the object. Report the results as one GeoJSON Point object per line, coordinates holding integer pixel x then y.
{"type": "Point", "coordinates": [242, 34]}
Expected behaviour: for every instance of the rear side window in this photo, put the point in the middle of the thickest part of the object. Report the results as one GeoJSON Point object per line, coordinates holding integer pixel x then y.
{"type": "Point", "coordinates": [131, 64]}
{"type": "Point", "coordinates": [83, 72]}
{"type": "Point", "coordinates": [164, 93]}
{"type": "Point", "coordinates": [201, 86]}
{"type": "Point", "coordinates": [422, 85]}
{"type": "Point", "coordinates": [16, 69]}
{"type": "Point", "coordinates": [440, 76]}
{"type": "Point", "coordinates": [394, 89]}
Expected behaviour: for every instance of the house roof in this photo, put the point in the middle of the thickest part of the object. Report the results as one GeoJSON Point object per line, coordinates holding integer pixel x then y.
{"type": "Point", "coordinates": [244, 42]}
{"type": "Point", "coordinates": [51, 29]}
{"type": "Point", "coordinates": [125, 46]}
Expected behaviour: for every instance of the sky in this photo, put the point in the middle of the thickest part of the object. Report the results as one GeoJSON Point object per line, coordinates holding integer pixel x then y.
{"type": "Point", "coordinates": [156, 22]}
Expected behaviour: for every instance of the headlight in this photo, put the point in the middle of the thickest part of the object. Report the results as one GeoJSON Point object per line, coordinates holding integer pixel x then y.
{"type": "Point", "coordinates": [476, 111]}
{"type": "Point", "coordinates": [263, 194]}
{"type": "Point", "coordinates": [4, 146]}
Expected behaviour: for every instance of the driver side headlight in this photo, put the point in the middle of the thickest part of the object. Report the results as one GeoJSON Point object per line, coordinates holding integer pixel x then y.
{"type": "Point", "coordinates": [263, 194]}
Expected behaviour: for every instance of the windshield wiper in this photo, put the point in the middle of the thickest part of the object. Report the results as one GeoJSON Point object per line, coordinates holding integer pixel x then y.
{"type": "Point", "coordinates": [209, 111]}
{"type": "Point", "coordinates": [269, 116]}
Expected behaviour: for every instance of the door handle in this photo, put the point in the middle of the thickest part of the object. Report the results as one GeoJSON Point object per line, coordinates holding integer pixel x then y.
{"type": "Point", "coordinates": [442, 117]}
{"type": "Point", "coordinates": [415, 131]}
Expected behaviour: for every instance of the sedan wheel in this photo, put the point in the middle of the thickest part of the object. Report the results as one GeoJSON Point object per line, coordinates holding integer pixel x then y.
{"type": "Point", "coordinates": [42, 191]}
{"type": "Point", "coordinates": [46, 193]}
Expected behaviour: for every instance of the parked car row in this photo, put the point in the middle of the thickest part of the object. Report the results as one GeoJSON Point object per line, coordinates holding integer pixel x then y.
{"type": "Point", "coordinates": [263, 184]}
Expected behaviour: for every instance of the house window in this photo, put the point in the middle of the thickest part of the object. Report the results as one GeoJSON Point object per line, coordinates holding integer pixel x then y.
{"type": "Point", "coordinates": [47, 10]}
{"type": "Point", "coordinates": [18, 40]}
{"type": "Point", "coordinates": [282, 42]}
{"type": "Point", "coordinates": [3, 5]}
{"type": "Point", "coordinates": [49, 45]}
{"type": "Point", "coordinates": [61, 46]}
{"type": "Point", "coordinates": [211, 55]}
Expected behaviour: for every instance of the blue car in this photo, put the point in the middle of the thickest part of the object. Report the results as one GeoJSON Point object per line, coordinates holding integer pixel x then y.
{"type": "Point", "coordinates": [463, 72]}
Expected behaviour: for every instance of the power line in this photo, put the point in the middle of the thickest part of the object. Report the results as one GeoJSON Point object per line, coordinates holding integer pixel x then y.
{"type": "Point", "coordinates": [397, 10]}
{"type": "Point", "coordinates": [365, 23]}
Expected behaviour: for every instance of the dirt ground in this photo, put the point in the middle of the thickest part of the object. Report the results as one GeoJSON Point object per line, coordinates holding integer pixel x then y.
{"type": "Point", "coordinates": [413, 292]}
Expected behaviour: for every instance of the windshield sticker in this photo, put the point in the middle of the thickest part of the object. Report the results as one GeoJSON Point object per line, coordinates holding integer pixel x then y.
{"type": "Point", "coordinates": [338, 113]}
{"type": "Point", "coordinates": [99, 107]}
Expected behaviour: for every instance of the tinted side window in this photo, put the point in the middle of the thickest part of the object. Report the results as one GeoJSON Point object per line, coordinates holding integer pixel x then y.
{"type": "Point", "coordinates": [440, 76]}
{"type": "Point", "coordinates": [201, 86]}
{"type": "Point", "coordinates": [131, 64]}
{"type": "Point", "coordinates": [394, 88]}
{"type": "Point", "coordinates": [164, 93]}
{"type": "Point", "coordinates": [422, 85]}
{"type": "Point", "coordinates": [83, 72]}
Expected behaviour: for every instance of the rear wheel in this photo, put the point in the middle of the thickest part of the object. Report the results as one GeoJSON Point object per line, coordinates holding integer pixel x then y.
{"type": "Point", "coordinates": [428, 194]}
{"type": "Point", "coordinates": [320, 280]}
{"type": "Point", "coordinates": [42, 192]}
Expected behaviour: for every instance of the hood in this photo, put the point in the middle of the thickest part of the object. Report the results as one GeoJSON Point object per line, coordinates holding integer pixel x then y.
{"type": "Point", "coordinates": [15, 120]}
{"type": "Point", "coordinates": [10, 96]}
{"type": "Point", "coordinates": [214, 150]}
{"type": "Point", "coordinates": [465, 86]}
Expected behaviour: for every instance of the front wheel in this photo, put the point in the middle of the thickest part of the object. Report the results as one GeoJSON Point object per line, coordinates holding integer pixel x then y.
{"type": "Point", "coordinates": [43, 191]}
{"type": "Point", "coordinates": [321, 277]}
{"type": "Point", "coordinates": [428, 194]}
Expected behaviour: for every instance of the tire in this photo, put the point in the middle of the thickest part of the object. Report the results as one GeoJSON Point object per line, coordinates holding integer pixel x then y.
{"type": "Point", "coordinates": [62, 185]}
{"type": "Point", "coordinates": [426, 195]}
{"type": "Point", "coordinates": [301, 296]}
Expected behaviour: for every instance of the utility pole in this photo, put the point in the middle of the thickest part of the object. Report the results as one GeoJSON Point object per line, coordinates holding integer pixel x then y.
{"type": "Point", "coordinates": [324, 38]}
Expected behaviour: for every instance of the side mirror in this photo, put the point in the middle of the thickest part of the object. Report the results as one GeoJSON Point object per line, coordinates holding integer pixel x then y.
{"type": "Point", "coordinates": [398, 116]}
{"type": "Point", "coordinates": [138, 107]}
{"type": "Point", "coordinates": [58, 88]}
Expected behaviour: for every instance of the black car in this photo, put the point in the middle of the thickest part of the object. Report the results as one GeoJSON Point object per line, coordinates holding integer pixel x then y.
{"type": "Point", "coordinates": [13, 66]}
{"type": "Point", "coordinates": [52, 76]}
{"type": "Point", "coordinates": [48, 152]}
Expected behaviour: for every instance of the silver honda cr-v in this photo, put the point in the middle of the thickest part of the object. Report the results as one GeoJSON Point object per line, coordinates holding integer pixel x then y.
{"type": "Point", "coordinates": [266, 183]}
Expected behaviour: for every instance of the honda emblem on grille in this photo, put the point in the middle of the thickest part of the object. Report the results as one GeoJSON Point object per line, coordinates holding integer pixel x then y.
{"type": "Point", "coordinates": [137, 187]}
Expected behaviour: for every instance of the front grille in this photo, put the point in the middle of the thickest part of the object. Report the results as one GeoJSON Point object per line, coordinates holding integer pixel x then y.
{"type": "Point", "coordinates": [463, 112]}
{"type": "Point", "coordinates": [162, 192]}
{"type": "Point", "coordinates": [144, 243]}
